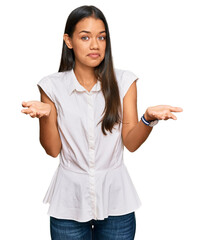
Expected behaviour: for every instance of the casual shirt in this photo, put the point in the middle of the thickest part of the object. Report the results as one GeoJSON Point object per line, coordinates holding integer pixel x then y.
{"type": "Point", "coordinates": [91, 180]}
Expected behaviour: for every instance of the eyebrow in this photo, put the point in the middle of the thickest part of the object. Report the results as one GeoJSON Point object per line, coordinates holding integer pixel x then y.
{"type": "Point", "coordinates": [90, 32]}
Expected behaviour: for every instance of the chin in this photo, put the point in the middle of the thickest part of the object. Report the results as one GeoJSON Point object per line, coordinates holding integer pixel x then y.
{"type": "Point", "coordinates": [93, 64]}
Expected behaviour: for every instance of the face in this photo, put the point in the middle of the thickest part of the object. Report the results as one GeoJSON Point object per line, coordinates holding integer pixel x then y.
{"type": "Point", "coordinates": [88, 38]}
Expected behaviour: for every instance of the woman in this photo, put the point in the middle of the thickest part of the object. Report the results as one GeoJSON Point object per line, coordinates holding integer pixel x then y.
{"type": "Point", "coordinates": [82, 107]}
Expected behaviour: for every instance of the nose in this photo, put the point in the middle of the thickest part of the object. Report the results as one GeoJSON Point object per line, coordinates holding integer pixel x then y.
{"type": "Point", "coordinates": [94, 43]}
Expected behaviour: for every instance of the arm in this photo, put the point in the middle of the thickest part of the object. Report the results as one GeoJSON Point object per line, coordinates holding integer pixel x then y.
{"type": "Point", "coordinates": [135, 133]}
{"type": "Point", "coordinates": [47, 114]}
{"type": "Point", "coordinates": [49, 134]}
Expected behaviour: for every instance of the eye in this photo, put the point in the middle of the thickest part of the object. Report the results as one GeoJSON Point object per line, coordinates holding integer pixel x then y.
{"type": "Point", "coordinates": [84, 38]}
{"type": "Point", "coordinates": [102, 37]}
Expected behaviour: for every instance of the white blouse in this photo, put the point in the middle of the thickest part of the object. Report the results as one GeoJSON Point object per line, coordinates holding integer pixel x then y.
{"type": "Point", "coordinates": [91, 181]}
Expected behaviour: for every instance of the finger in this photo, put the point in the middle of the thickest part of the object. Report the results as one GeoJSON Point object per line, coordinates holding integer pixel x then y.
{"type": "Point", "coordinates": [173, 116]}
{"type": "Point", "coordinates": [26, 111]}
{"type": "Point", "coordinates": [167, 116]}
{"type": "Point", "coordinates": [23, 111]}
{"type": "Point", "coordinates": [27, 104]}
{"type": "Point", "coordinates": [23, 103]}
{"type": "Point", "coordinates": [38, 115]}
{"type": "Point", "coordinates": [176, 109]}
{"type": "Point", "coordinates": [32, 115]}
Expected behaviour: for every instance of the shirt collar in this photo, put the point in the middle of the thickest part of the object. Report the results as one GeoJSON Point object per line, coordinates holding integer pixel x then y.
{"type": "Point", "coordinates": [73, 84]}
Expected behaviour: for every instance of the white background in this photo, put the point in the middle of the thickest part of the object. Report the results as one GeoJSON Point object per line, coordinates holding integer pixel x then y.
{"type": "Point", "coordinates": [162, 42]}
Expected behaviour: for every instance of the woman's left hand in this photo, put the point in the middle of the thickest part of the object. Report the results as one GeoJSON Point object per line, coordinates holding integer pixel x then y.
{"type": "Point", "coordinates": [161, 112]}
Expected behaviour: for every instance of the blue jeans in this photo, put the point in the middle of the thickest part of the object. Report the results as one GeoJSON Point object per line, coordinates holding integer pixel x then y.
{"type": "Point", "coordinates": [121, 227]}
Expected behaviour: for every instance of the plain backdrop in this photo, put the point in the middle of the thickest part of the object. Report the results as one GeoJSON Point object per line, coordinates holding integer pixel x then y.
{"type": "Point", "coordinates": [162, 43]}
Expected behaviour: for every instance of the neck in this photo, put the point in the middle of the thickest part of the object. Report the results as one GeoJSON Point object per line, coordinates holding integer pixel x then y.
{"type": "Point", "coordinates": [85, 75]}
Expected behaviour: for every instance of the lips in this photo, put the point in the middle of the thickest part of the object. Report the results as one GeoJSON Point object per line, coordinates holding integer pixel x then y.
{"type": "Point", "coordinates": [94, 55]}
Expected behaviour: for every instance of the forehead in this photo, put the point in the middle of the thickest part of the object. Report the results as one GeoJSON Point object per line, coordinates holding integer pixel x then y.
{"type": "Point", "coordinates": [90, 24]}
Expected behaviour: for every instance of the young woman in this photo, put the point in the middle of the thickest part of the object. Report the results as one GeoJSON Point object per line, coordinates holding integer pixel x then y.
{"type": "Point", "coordinates": [87, 114]}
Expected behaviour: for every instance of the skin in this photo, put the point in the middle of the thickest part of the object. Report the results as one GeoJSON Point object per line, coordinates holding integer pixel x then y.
{"type": "Point", "coordinates": [83, 43]}
{"type": "Point", "coordinates": [136, 132]}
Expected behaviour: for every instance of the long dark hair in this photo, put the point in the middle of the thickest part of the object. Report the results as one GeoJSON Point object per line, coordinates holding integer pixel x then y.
{"type": "Point", "coordinates": [104, 71]}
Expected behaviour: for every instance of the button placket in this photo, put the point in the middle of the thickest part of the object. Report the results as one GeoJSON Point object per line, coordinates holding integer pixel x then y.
{"type": "Point", "coordinates": [91, 144]}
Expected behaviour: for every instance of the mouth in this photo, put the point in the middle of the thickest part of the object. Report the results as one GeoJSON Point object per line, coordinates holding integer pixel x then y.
{"type": "Point", "coordinates": [94, 55]}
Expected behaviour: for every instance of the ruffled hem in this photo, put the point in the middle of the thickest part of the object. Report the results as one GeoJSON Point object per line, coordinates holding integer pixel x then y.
{"type": "Point", "coordinates": [70, 195]}
{"type": "Point", "coordinates": [80, 215]}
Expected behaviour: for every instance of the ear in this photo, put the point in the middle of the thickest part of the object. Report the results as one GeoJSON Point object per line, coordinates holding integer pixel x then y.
{"type": "Point", "coordinates": [68, 40]}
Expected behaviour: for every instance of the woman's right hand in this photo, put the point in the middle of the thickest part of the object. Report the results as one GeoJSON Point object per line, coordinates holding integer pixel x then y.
{"type": "Point", "coordinates": [36, 109]}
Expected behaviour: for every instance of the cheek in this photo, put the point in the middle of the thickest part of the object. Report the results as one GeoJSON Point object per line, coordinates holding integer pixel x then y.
{"type": "Point", "coordinates": [103, 49]}
{"type": "Point", "coordinates": [79, 51]}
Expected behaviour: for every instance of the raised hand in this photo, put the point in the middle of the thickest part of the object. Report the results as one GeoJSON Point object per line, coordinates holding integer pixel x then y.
{"type": "Point", "coordinates": [161, 112]}
{"type": "Point", "coordinates": [36, 109]}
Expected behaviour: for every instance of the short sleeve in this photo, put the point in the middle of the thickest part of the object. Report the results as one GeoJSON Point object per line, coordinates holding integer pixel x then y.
{"type": "Point", "coordinates": [45, 84]}
{"type": "Point", "coordinates": [128, 78]}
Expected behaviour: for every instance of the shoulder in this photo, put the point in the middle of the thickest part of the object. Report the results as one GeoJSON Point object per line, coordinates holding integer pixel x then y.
{"type": "Point", "coordinates": [125, 78]}
{"type": "Point", "coordinates": [54, 78]}
{"type": "Point", "coordinates": [123, 74]}
{"type": "Point", "coordinates": [54, 84]}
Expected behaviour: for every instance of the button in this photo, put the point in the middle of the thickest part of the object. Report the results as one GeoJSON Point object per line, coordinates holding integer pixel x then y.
{"type": "Point", "coordinates": [92, 174]}
{"type": "Point", "coordinates": [91, 137]}
{"type": "Point", "coordinates": [91, 147]}
{"type": "Point", "coordinates": [92, 178]}
{"type": "Point", "coordinates": [93, 195]}
{"type": "Point", "coordinates": [91, 144]}
{"type": "Point", "coordinates": [92, 163]}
